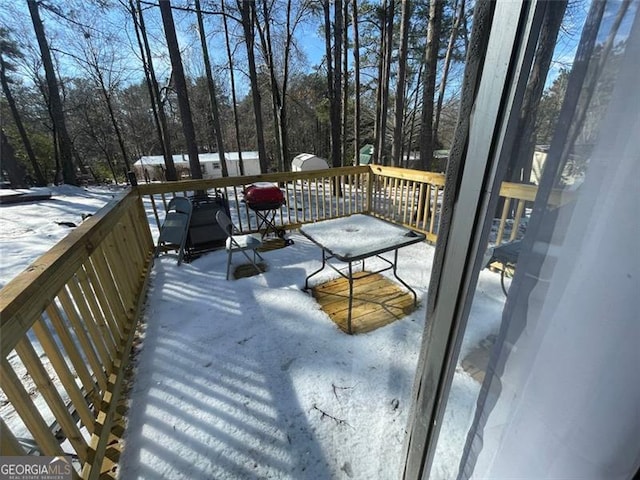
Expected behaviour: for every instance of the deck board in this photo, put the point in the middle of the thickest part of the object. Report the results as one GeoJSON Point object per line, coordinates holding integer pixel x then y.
{"type": "Point", "coordinates": [377, 301]}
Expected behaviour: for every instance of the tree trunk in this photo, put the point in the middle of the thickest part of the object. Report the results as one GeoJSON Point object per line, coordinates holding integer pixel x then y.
{"type": "Point", "coordinates": [247, 11]}
{"type": "Point", "coordinates": [356, 83]}
{"type": "Point", "coordinates": [285, 84]}
{"type": "Point", "coordinates": [211, 87]}
{"type": "Point", "coordinates": [404, 143]}
{"type": "Point", "coordinates": [181, 89]}
{"type": "Point", "coordinates": [328, 53]}
{"type": "Point", "coordinates": [345, 82]}
{"type": "Point", "coordinates": [384, 80]}
{"type": "Point", "coordinates": [107, 98]}
{"type": "Point", "coordinates": [264, 33]}
{"type": "Point", "coordinates": [39, 177]}
{"type": "Point", "coordinates": [93, 63]}
{"type": "Point", "coordinates": [445, 68]}
{"type": "Point", "coordinates": [57, 175]}
{"type": "Point", "coordinates": [170, 174]}
{"type": "Point", "coordinates": [427, 138]}
{"type": "Point", "coordinates": [15, 170]}
{"type": "Point", "coordinates": [523, 157]}
{"type": "Point", "coordinates": [414, 112]}
{"type": "Point", "coordinates": [396, 147]}
{"type": "Point", "coordinates": [233, 88]}
{"type": "Point", "coordinates": [376, 157]}
{"type": "Point", "coordinates": [55, 103]}
{"type": "Point", "coordinates": [336, 140]}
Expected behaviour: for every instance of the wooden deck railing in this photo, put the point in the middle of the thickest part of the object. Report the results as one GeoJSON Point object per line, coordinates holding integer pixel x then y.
{"type": "Point", "coordinates": [408, 197]}
{"type": "Point", "coordinates": [309, 195]}
{"type": "Point", "coordinates": [67, 328]}
{"type": "Point", "coordinates": [68, 321]}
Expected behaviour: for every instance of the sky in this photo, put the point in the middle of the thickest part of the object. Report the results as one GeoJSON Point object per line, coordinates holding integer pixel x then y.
{"type": "Point", "coordinates": [16, 17]}
{"type": "Point", "coordinates": [309, 34]}
{"type": "Point", "coordinates": [249, 378]}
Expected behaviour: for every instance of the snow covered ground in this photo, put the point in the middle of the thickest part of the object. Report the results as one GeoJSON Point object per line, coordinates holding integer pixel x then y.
{"type": "Point", "coordinates": [249, 378]}
{"type": "Point", "coordinates": [28, 230]}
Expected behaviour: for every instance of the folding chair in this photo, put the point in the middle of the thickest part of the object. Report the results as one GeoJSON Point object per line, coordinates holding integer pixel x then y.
{"type": "Point", "coordinates": [175, 228]}
{"type": "Point", "coordinates": [239, 243]}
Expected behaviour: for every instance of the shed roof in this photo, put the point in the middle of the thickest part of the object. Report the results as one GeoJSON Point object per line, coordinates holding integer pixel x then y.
{"type": "Point", "coordinates": [310, 158]}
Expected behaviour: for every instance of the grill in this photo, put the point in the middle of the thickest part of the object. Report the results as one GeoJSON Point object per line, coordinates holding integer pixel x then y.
{"type": "Point", "coordinates": [265, 199]}
{"type": "Point", "coordinates": [261, 197]}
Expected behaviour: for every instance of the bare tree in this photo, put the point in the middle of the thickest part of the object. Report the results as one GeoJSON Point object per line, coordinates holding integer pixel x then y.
{"type": "Point", "coordinates": [94, 62]}
{"type": "Point", "coordinates": [459, 18]}
{"type": "Point", "coordinates": [356, 81]}
{"type": "Point", "coordinates": [9, 49]}
{"type": "Point", "coordinates": [379, 87]}
{"type": "Point", "coordinates": [523, 158]}
{"type": "Point", "coordinates": [14, 169]}
{"type": "Point", "coordinates": [211, 88]}
{"type": "Point", "coordinates": [412, 123]}
{"type": "Point", "coordinates": [234, 99]}
{"type": "Point", "coordinates": [156, 99]}
{"type": "Point", "coordinates": [157, 107]}
{"type": "Point", "coordinates": [264, 32]}
{"type": "Point", "coordinates": [336, 120]}
{"type": "Point", "coordinates": [345, 82]}
{"type": "Point", "coordinates": [248, 13]}
{"type": "Point", "coordinates": [396, 147]}
{"type": "Point", "coordinates": [181, 88]}
{"type": "Point", "coordinates": [383, 96]}
{"type": "Point", "coordinates": [427, 137]}
{"type": "Point", "coordinates": [55, 103]}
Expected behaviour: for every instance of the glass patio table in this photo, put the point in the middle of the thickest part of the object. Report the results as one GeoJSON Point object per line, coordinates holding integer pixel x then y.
{"type": "Point", "coordinates": [354, 239]}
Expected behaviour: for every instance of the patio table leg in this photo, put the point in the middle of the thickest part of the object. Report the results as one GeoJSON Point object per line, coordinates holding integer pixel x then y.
{"type": "Point", "coordinates": [395, 274]}
{"type": "Point", "coordinates": [350, 299]}
{"type": "Point", "coordinates": [324, 262]}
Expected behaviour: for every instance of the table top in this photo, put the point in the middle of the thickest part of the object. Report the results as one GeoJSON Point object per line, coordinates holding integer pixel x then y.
{"type": "Point", "coordinates": [359, 236]}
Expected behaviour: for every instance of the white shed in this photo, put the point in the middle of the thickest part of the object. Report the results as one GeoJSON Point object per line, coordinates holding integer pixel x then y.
{"type": "Point", "coordinates": [308, 161]}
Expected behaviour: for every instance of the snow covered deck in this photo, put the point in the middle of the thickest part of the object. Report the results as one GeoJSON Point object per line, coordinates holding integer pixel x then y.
{"type": "Point", "coordinates": [228, 371]}
{"type": "Point", "coordinates": [251, 379]}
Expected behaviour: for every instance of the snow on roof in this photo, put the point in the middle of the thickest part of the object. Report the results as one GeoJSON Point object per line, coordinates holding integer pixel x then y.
{"type": "Point", "coordinates": [183, 159]}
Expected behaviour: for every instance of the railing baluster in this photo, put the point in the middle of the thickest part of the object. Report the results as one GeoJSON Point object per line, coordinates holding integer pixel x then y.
{"type": "Point", "coordinates": [154, 207]}
{"type": "Point", "coordinates": [99, 371]}
{"type": "Point", "coordinates": [433, 208]}
{"type": "Point", "coordinates": [295, 203]}
{"type": "Point", "coordinates": [516, 220]}
{"type": "Point", "coordinates": [75, 356]}
{"type": "Point", "coordinates": [45, 338]}
{"type": "Point", "coordinates": [503, 220]}
{"type": "Point", "coordinates": [109, 285]}
{"type": "Point", "coordinates": [110, 332]}
{"type": "Point", "coordinates": [22, 402]}
{"type": "Point", "coordinates": [309, 204]}
{"type": "Point", "coordinates": [54, 401]}
{"type": "Point", "coordinates": [105, 349]}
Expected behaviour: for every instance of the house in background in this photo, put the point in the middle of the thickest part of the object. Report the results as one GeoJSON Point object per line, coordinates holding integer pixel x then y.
{"type": "Point", "coordinates": [151, 168]}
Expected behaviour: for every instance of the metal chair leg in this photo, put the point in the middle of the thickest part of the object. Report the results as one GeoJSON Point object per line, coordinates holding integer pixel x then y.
{"type": "Point", "coordinates": [230, 253]}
